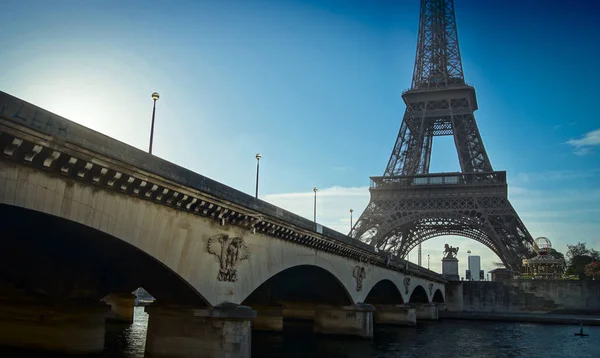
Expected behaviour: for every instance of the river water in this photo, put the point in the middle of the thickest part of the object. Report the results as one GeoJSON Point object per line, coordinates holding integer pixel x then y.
{"type": "Point", "coordinates": [445, 338]}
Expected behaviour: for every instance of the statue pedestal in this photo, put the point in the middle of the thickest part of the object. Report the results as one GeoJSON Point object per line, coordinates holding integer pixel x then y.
{"type": "Point", "coordinates": [450, 268]}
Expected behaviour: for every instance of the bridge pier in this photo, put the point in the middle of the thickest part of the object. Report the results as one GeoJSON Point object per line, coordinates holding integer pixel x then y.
{"type": "Point", "coordinates": [426, 311]}
{"type": "Point", "coordinates": [268, 319]}
{"type": "Point", "coordinates": [400, 315]}
{"type": "Point", "coordinates": [65, 327]}
{"type": "Point", "coordinates": [299, 311]}
{"type": "Point", "coordinates": [356, 320]}
{"type": "Point", "coordinates": [121, 306]}
{"type": "Point", "coordinates": [441, 307]}
{"type": "Point", "coordinates": [218, 332]}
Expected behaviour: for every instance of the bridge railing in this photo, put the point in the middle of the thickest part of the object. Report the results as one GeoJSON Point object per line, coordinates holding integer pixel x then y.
{"type": "Point", "coordinates": [488, 178]}
{"type": "Point", "coordinates": [21, 113]}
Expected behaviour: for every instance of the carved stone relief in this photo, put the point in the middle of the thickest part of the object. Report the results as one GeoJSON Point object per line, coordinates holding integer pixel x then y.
{"type": "Point", "coordinates": [359, 274]}
{"type": "Point", "coordinates": [430, 289]}
{"type": "Point", "coordinates": [229, 250]}
{"type": "Point", "coordinates": [406, 284]}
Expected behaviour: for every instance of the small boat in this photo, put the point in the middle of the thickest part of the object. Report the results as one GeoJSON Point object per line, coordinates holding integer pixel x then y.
{"type": "Point", "coordinates": [580, 333]}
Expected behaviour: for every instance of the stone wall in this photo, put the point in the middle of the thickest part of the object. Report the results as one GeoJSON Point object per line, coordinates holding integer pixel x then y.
{"type": "Point", "coordinates": [525, 296]}
{"type": "Point", "coordinates": [570, 295]}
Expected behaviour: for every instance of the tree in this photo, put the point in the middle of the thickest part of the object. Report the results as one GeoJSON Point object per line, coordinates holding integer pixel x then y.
{"type": "Point", "coordinates": [578, 249]}
{"type": "Point", "coordinates": [593, 270]}
{"type": "Point", "coordinates": [578, 257]}
{"type": "Point", "coordinates": [577, 266]}
{"type": "Point", "coordinates": [557, 254]}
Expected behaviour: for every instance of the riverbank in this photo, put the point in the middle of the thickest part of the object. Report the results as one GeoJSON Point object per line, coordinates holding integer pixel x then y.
{"type": "Point", "coordinates": [569, 319]}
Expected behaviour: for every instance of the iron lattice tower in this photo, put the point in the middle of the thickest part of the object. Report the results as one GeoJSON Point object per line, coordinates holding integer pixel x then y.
{"type": "Point", "coordinates": [409, 205]}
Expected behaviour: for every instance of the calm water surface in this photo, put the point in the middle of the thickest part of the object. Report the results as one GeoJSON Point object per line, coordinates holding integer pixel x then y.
{"type": "Point", "coordinates": [435, 339]}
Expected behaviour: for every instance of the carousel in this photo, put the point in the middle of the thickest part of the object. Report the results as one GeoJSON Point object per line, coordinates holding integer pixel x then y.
{"type": "Point", "coordinates": [544, 265]}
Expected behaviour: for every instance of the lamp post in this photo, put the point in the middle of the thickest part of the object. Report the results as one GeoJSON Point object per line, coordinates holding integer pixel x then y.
{"type": "Point", "coordinates": [155, 97]}
{"type": "Point", "coordinates": [469, 264]}
{"type": "Point", "coordinates": [258, 156]}
{"type": "Point", "coordinates": [428, 262]}
{"type": "Point", "coordinates": [315, 205]}
{"type": "Point", "coordinates": [351, 220]}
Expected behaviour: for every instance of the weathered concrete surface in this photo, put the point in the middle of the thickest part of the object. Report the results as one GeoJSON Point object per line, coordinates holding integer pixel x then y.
{"type": "Point", "coordinates": [299, 311]}
{"type": "Point", "coordinates": [525, 296]}
{"type": "Point", "coordinates": [354, 320]}
{"type": "Point", "coordinates": [205, 333]}
{"type": "Point", "coordinates": [426, 311]}
{"type": "Point", "coordinates": [179, 239]}
{"type": "Point", "coordinates": [570, 295]}
{"type": "Point", "coordinates": [62, 327]}
{"type": "Point", "coordinates": [454, 296]}
{"type": "Point", "coordinates": [268, 319]}
{"type": "Point", "coordinates": [121, 306]}
{"type": "Point", "coordinates": [398, 315]}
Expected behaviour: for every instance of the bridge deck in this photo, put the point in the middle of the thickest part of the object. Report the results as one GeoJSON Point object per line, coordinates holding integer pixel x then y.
{"type": "Point", "coordinates": [16, 113]}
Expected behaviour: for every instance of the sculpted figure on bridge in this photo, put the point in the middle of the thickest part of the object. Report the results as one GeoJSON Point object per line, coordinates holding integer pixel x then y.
{"type": "Point", "coordinates": [406, 285]}
{"type": "Point", "coordinates": [229, 250]}
{"type": "Point", "coordinates": [450, 252]}
{"type": "Point", "coordinates": [359, 274]}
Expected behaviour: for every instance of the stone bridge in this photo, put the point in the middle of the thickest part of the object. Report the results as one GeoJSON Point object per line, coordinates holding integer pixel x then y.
{"type": "Point", "coordinates": [87, 218]}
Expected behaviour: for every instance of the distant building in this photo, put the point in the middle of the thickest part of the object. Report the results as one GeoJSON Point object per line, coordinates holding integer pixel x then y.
{"type": "Point", "coordinates": [474, 270]}
{"type": "Point", "coordinates": [502, 273]}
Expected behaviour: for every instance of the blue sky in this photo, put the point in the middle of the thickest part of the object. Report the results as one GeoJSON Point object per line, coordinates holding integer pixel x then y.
{"type": "Point", "coordinates": [315, 86]}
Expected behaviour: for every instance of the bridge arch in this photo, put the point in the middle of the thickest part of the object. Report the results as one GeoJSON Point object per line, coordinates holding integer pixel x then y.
{"type": "Point", "coordinates": [67, 260]}
{"type": "Point", "coordinates": [384, 292]}
{"type": "Point", "coordinates": [418, 295]}
{"type": "Point", "coordinates": [300, 284]}
{"type": "Point", "coordinates": [438, 297]}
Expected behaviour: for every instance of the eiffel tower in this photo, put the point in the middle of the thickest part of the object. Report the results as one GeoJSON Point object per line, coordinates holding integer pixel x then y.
{"type": "Point", "coordinates": [408, 204]}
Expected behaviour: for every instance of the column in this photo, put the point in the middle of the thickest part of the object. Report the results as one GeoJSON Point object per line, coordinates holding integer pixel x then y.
{"type": "Point", "coordinates": [65, 327]}
{"type": "Point", "coordinates": [268, 319]}
{"type": "Point", "coordinates": [220, 332]}
{"type": "Point", "coordinates": [121, 306]}
{"type": "Point", "coordinates": [356, 320]}
{"type": "Point", "coordinates": [426, 311]}
{"type": "Point", "coordinates": [399, 315]}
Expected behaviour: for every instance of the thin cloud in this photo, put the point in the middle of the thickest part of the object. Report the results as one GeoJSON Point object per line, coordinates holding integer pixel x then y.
{"type": "Point", "coordinates": [583, 144]}
{"type": "Point", "coordinates": [582, 151]}
{"type": "Point", "coordinates": [553, 175]}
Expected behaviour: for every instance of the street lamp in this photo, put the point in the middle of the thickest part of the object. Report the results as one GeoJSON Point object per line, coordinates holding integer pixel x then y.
{"type": "Point", "coordinates": [428, 262]}
{"type": "Point", "coordinates": [469, 264]}
{"type": "Point", "coordinates": [155, 97]}
{"type": "Point", "coordinates": [351, 220]}
{"type": "Point", "coordinates": [258, 156]}
{"type": "Point", "coordinates": [315, 205]}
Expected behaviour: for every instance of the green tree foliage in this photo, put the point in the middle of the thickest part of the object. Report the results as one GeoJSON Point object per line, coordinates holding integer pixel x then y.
{"type": "Point", "coordinates": [577, 266]}
{"type": "Point", "coordinates": [578, 257]}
